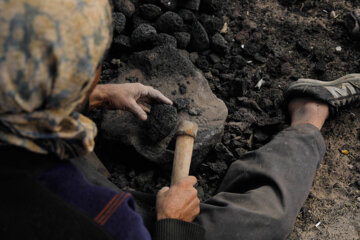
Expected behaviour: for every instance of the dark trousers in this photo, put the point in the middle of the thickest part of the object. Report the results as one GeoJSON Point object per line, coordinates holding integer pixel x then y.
{"type": "Point", "coordinates": [261, 193]}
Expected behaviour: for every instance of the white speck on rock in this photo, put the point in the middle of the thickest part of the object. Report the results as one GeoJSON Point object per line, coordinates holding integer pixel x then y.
{"type": "Point", "coordinates": [259, 84]}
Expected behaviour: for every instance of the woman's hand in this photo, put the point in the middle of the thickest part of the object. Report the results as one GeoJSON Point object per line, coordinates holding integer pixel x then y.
{"type": "Point", "coordinates": [178, 202]}
{"type": "Point", "coordinates": [127, 96]}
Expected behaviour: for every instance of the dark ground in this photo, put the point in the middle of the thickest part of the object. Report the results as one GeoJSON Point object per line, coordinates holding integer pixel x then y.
{"type": "Point", "coordinates": [277, 43]}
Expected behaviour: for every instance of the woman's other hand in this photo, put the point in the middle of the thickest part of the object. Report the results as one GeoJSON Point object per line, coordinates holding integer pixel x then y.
{"type": "Point", "coordinates": [128, 97]}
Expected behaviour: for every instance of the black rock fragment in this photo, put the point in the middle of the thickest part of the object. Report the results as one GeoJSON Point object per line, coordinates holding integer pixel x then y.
{"type": "Point", "coordinates": [143, 35]}
{"type": "Point", "coordinates": [214, 58]}
{"type": "Point", "coordinates": [211, 6]}
{"type": "Point", "coordinates": [170, 5]}
{"type": "Point", "coordinates": [137, 20]}
{"type": "Point", "coordinates": [212, 24]}
{"type": "Point", "coordinates": [199, 37]}
{"type": "Point", "coordinates": [352, 22]}
{"type": "Point", "coordinates": [119, 21]}
{"type": "Point", "coordinates": [124, 6]}
{"type": "Point", "coordinates": [303, 47]}
{"type": "Point", "coordinates": [260, 58]}
{"type": "Point", "coordinates": [182, 103]}
{"type": "Point", "coordinates": [164, 39]}
{"type": "Point", "coordinates": [182, 89]}
{"type": "Point", "coordinates": [150, 11]}
{"type": "Point", "coordinates": [202, 63]}
{"type": "Point", "coordinates": [187, 15]}
{"type": "Point", "coordinates": [169, 22]}
{"type": "Point", "coordinates": [239, 62]}
{"type": "Point", "coordinates": [183, 39]}
{"type": "Point", "coordinates": [161, 121]}
{"type": "Point", "coordinates": [193, 5]}
{"type": "Point", "coordinates": [194, 112]}
{"type": "Point", "coordinates": [122, 43]}
{"type": "Point", "coordinates": [219, 44]}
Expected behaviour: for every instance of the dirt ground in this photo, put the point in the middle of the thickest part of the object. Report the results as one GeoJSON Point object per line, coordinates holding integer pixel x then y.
{"type": "Point", "coordinates": [277, 42]}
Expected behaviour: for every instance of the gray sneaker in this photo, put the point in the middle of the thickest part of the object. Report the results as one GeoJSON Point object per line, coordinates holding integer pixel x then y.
{"type": "Point", "coordinates": [338, 93]}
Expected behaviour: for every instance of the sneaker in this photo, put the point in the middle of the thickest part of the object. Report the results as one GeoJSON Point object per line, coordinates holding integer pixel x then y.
{"type": "Point", "coordinates": [338, 93]}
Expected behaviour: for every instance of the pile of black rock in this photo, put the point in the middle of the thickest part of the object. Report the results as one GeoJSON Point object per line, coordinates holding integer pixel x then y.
{"type": "Point", "coordinates": [193, 25]}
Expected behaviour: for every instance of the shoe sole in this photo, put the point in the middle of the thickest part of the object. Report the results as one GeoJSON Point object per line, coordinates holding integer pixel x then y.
{"type": "Point", "coordinates": [313, 82]}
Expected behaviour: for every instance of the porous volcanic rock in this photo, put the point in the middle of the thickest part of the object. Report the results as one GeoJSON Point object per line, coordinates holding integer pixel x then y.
{"type": "Point", "coordinates": [168, 4]}
{"type": "Point", "coordinates": [183, 39]}
{"type": "Point", "coordinates": [161, 121]}
{"type": "Point", "coordinates": [199, 37]}
{"type": "Point", "coordinates": [124, 6]}
{"type": "Point", "coordinates": [193, 5]}
{"type": "Point", "coordinates": [143, 35]}
{"type": "Point", "coordinates": [219, 44]}
{"type": "Point", "coordinates": [150, 11]}
{"type": "Point", "coordinates": [164, 39]}
{"type": "Point", "coordinates": [212, 24]}
{"type": "Point", "coordinates": [169, 22]}
{"type": "Point", "coordinates": [165, 68]}
{"type": "Point", "coordinates": [119, 20]}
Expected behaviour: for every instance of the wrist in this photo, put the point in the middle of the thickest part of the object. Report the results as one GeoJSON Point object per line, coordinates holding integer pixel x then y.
{"type": "Point", "coordinates": [98, 97]}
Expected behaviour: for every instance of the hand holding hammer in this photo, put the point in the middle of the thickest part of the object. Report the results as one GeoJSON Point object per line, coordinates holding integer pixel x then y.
{"type": "Point", "coordinates": [180, 201]}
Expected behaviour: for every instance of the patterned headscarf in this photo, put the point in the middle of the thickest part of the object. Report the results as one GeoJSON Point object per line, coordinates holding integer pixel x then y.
{"type": "Point", "coordinates": [49, 53]}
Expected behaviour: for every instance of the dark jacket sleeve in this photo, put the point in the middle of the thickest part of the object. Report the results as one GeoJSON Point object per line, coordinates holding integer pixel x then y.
{"type": "Point", "coordinates": [173, 229]}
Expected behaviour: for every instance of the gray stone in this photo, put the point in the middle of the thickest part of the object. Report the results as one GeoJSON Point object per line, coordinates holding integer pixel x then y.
{"type": "Point", "coordinates": [165, 68]}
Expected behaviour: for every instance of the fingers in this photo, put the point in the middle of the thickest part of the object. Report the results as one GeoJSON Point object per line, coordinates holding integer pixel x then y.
{"type": "Point", "coordinates": [189, 181]}
{"type": "Point", "coordinates": [193, 209]}
{"type": "Point", "coordinates": [163, 190]}
{"type": "Point", "coordinates": [146, 109]}
{"type": "Point", "coordinates": [137, 110]}
{"type": "Point", "coordinates": [154, 94]}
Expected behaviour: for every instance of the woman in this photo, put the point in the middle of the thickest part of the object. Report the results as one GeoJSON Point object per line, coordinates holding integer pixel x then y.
{"type": "Point", "coordinates": [50, 58]}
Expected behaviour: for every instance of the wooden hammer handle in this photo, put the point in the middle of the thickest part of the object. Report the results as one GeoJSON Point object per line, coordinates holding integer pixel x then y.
{"type": "Point", "coordinates": [183, 151]}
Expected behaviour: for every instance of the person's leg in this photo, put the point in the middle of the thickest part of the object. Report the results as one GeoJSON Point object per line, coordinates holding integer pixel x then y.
{"type": "Point", "coordinates": [263, 191]}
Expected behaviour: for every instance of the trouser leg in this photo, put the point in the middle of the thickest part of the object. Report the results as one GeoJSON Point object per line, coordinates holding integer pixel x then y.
{"type": "Point", "coordinates": [263, 192]}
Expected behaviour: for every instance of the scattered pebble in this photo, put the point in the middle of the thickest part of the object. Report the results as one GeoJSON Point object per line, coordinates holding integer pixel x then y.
{"type": "Point", "coordinates": [225, 28]}
{"type": "Point", "coordinates": [333, 14]}
{"type": "Point", "coordinates": [259, 84]}
{"type": "Point", "coordinates": [345, 152]}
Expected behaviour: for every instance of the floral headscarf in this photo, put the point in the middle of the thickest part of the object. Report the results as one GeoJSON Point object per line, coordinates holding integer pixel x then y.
{"type": "Point", "coordinates": [49, 53]}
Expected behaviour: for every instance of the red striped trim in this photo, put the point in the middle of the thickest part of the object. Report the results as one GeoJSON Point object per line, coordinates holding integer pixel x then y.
{"type": "Point", "coordinates": [113, 210]}
{"type": "Point", "coordinates": [110, 203]}
{"type": "Point", "coordinates": [110, 208]}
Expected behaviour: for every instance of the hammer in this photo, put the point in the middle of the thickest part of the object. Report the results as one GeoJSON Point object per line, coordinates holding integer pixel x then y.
{"type": "Point", "coordinates": [186, 135]}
